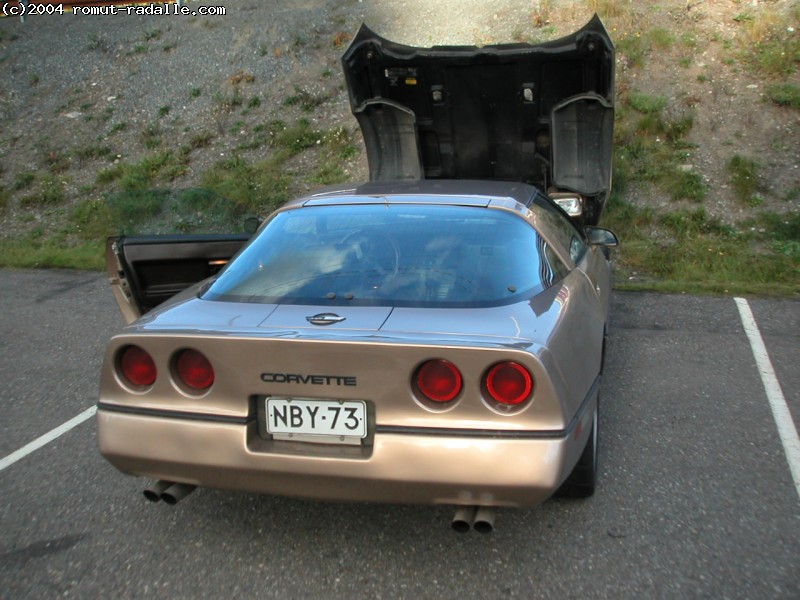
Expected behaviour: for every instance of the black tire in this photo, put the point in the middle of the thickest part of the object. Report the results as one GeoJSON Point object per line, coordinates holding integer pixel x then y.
{"type": "Point", "coordinates": [582, 481]}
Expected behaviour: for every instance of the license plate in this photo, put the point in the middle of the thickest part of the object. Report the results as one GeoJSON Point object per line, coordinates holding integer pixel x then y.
{"type": "Point", "coordinates": [301, 417]}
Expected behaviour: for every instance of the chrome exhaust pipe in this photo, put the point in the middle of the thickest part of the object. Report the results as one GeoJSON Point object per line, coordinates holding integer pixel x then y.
{"type": "Point", "coordinates": [462, 520]}
{"type": "Point", "coordinates": [177, 492]}
{"type": "Point", "coordinates": [484, 519]}
{"type": "Point", "coordinates": [153, 493]}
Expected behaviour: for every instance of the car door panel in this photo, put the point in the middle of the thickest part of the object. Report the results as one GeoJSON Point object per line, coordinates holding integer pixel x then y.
{"type": "Point", "coordinates": [146, 271]}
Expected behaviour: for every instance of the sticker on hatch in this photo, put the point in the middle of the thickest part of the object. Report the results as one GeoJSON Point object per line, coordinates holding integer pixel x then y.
{"type": "Point", "coordinates": [316, 417]}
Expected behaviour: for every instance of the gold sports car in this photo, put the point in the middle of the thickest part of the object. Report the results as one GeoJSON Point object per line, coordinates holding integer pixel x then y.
{"type": "Point", "coordinates": [408, 340]}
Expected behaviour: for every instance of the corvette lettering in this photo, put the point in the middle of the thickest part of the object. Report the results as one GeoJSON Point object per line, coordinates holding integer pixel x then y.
{"type": "Point", "coordinates": [309, 379]}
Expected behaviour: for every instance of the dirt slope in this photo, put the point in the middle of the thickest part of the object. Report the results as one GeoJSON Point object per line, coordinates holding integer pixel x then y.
{"type": "Point", "coordinates": [79, 94]}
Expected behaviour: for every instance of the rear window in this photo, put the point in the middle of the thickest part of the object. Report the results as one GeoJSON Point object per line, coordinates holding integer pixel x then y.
{"type": "Point", "coordinates": [391, 255]}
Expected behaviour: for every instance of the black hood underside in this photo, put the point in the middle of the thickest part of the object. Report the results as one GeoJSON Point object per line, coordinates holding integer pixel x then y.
{"type": "Point", "coordinates": [541, 114]}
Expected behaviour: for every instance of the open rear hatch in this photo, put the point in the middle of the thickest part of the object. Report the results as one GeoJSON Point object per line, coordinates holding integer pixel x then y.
{"type": "Point", "coordinates": [542, 114]}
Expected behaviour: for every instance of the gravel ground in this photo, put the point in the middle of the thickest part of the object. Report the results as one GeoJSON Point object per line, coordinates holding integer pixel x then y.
{"type": "Point", "coordinates": [74, 84]}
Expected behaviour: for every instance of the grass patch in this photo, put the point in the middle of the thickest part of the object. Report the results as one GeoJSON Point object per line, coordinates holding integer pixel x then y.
{"type": "Point", "coordinates": [22, 181]}
{"type": "Point", "coordinates": [770, 47]}
{"type": "Point", "coordinates": [94, 153]}
{"type": "Point", "coordinates": [784, 94]}
{"type": "Point", "coordinates": [50, 193]}
{"type": "Point", "coordinates": [27, 253]}
{"type": "Point", "coordinates": [688, 251]}
{"type": "Point", "coordinates": [255, 188]}
{"type": "Point", "coordinates": [745, 179]}
{"type": "Point", "coordinates": [142, 175]}
{"type": "Point", "coordinates": [201, 140]}
{"type": "Point", "coordinates": [151, 136]}
{"type": "Point", "coordinates": [295, 138]}
{"type": "Point", "coordinates": [337, 147]}
{"type": "Point", "coordinates": [650, 146]}
{"type": "Point", "coordinates": [306, 100]}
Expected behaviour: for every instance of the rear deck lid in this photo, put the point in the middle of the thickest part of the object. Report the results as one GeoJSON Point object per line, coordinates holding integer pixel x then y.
{"type": "Point", "coordinates": [542, 114]}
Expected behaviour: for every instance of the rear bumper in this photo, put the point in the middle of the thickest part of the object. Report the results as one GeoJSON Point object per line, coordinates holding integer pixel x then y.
{"type": "Point", "coordinates": [399, 468]}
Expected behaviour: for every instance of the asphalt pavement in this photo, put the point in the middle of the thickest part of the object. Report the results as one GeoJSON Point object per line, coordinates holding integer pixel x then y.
{"type": "Point", "coordinates": [695, 500]}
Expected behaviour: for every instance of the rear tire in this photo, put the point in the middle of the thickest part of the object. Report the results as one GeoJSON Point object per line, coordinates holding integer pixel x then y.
{"type": "Point", "coordinates": [582, 481]}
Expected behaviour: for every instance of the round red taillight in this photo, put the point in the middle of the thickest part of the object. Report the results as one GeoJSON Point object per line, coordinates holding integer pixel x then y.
{"type": "Point", "coordinates": [509, 383]}
{"type": "Point", "coordinates": [137, 366]}
{"type": "Point", "coordinates": [194, 370]}
{"type": "Point", "coordinates": [439, 380]}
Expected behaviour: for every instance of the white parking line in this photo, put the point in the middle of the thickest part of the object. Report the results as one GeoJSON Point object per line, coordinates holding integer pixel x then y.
{"type": "Point", "coordinates": [780, 411]}
{"type": "Point", "coordinates": [46, 438]}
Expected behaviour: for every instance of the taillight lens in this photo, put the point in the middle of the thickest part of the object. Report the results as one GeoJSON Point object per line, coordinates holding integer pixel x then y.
{"type": "Point", "coordinates": [194, 370]}
{"type": "Point", "coordinates": [439, 380]}
{"type": "Point", "coordinates": [509, 383]}
{"type": "Point", "coordinates": [137, 366]}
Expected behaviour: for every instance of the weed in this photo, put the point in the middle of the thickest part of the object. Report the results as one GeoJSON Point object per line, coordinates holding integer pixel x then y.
{"type": "Point", "coordinates": [792, 194]}
{"type": "Point", "coordinates": [169, 47]}
{"type": "Point", "coordinates": [201, 140]}
{"type": "Point", "coordinates": [28, 252]}
{"type": "Point", "coordinates": [227, 102]}
{"type": "Point", "coordinates": [117, 127]}
{"type": "Point", "coordinates": [97, 41]}
{"type": "Point", "coordinates": [633, 48]}
{"type": "Point", "coordinates": [5, 198]}
{"type": "Point", "coordinates": [296, 138]}
{"type": "Point", "coordinates": [152, 35]}
{"type": "Point", "coordinates": [195, 93]}
{"type": "Point", "coordinates": [647, 104]}
{"type": "Point", "coordinates": [690, 251]}
{"type": "Point", "coordinates": [744, 178]}
{"type": "Point", "coordinates": [130, 208]}
{"type": "Point", "coordinates": [688, 39]}
{"type": "Point", "coordinates": [137, 49]}
{"type": "Point", "coordinates": [263, 50]}
{"type": "Point", "coordinates": [93, 152]}
{"type": "Point", "coordinates": [241, 77]}
{"type": "Point", "coordinates": [56, 162]}
{"type": "Point", "coordinates": [660, 38]}
{"type": "Point", "coordinates": [769, 47]}
{"type": "Point", "coordinates": [254, 102]}
{"type": "Point", "coordinates": [151, 136]}
{"type": "Point", "coordinates": [305, 99]}
{"type": "Point", "coordinates": [784, 94]}
{"type": "Point", "coordinates": [140, 176]}
{"type": "Point", "coordinates": [91, 219]}
{"type": "Point", "coordinates": [33, 80]}
{"type": "Point", "coordinates": [341, 39]}
{"type": "Point", "coordinates": [606, 8]}
{"type": "Point", "coordinates": [164, 111]}
{"type": "Point", "coordinates": [110, 175]}
{"type": "Point", "coordinates": [23, 181]}
{"type": "Point", "coordinates": [254, 188]}
{"type": "Point", "coordinates": [683, 184]}
{"type": "Point", "coordinates": [50, 193]}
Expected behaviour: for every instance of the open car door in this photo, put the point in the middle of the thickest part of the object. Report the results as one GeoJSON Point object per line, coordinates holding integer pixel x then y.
{"type": "Point", "coordinates": [148, 270]}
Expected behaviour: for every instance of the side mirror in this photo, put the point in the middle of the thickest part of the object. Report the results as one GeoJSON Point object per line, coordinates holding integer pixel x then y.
{"type": "Point", "coordinates": [251, 224]}
{"type": "Point", "coordinates": [601, 237]}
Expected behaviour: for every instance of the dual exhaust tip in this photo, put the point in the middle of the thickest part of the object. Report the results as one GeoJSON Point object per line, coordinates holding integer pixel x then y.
{"type": "Point", "coordinates": [479, 518]}
{"type": "Point", "coordinates": [169, 492]}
